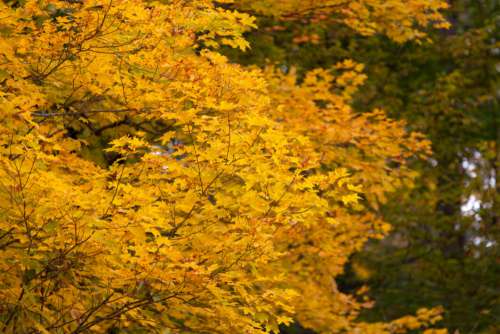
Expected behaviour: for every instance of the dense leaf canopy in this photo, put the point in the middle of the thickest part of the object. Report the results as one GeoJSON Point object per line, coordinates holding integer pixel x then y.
{"type": "Point", "coordinates": [152, 181]}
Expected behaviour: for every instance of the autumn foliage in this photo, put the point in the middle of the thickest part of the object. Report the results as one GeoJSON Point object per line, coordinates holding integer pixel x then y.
{"type": "Point", "coordinates": [148, 185]}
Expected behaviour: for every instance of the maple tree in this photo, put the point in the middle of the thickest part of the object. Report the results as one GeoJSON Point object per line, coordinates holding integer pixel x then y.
{"type": "Point", "coordinates": [399, 20]}
{"type": "Point", "coordinates": [147, 184]}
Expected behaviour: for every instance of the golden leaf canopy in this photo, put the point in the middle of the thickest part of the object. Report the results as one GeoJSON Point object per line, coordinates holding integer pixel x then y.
{"type": "Point", "coordinates": [147, 184]}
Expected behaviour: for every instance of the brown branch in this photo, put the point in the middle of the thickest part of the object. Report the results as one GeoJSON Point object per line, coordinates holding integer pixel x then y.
{"type": "Point", "coordinates": [122, 310]}
{"type": "Point", "coordinates": [86, 112]}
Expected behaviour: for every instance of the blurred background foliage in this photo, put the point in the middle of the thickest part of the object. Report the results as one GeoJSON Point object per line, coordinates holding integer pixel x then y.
{"type": "Point", "coordinates": [444, 246]}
